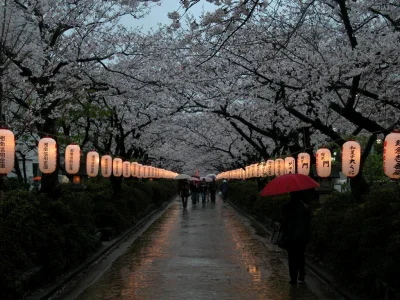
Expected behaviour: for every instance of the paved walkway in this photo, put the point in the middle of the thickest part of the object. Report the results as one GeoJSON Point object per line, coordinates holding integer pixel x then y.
{"type": "Point", "coordinates": [202, 253]}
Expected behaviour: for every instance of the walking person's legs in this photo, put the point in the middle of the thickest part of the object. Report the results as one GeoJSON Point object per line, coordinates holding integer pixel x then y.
{"type": "Point", "coordinates": [213, 196]}
{"type": "Point", "coordinates": [302, 262]}
{"type": "Point", "coordinates": [293, 263]}
{"type": "Point", "coordinates": [203, 198]}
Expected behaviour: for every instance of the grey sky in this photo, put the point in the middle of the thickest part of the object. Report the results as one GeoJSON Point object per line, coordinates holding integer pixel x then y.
{"type": "Point", "coordinates": [158, 14]}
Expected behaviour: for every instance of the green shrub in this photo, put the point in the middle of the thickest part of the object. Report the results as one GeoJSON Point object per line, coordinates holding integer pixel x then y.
{"type": "Point", "coordinates": [56, 235]}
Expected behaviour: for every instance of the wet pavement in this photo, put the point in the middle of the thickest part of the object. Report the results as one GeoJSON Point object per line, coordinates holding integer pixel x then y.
{"type": "Point", "coordinates": [206, 252]}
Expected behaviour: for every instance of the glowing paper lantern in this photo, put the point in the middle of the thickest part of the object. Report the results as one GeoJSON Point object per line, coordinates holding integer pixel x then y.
{"type": "Point", "coordinates": [126, 169]}
{"type": "Point", "coordinates": [270, 167]}
{"type": "Point", "coordinates": [247, 176]}
{"type": "Point", "coordinates": [92, 163]}
{"type": "Point", "coordinates": [391, 155]}
{"type": "Point", "coordinates": [303, 163]}
{"type": "Point", "coordinates": [139, 171]}
{"type": "Point", "coordinates": [106, 166]}
{"type": "Point", "coordinates": [7, 151]}
{"type": "Point", "coordinates": [134, 169]}
{"type": "Point", "coordinates": [324, 162]}
{"type": "Point", "coordinates": [279, 167]}
{"type": "Point", "coordinates": [351, 156]}
{"type": "Point", "coordinates": [290, 165]}
{"type": "Point", "coordinates": [72, 159]}
{"type": "Point", "coordinates": [47, 154]}
{"type": "Point", "coordinates": [117, 167]}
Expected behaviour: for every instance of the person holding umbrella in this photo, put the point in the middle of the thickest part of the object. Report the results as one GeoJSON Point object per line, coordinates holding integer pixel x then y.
{"type": "Point", "coordinates": [296, 225]}
{"type": "Point", "coordinates": [296, 220]}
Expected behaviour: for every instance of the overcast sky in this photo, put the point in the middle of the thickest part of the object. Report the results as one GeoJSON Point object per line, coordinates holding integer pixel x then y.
{"type": "Point", "coordinates": [158, 14]}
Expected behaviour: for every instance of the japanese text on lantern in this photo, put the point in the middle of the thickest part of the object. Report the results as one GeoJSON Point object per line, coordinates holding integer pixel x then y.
{"type": "Point", "coordinates": [290, 167]}
{"type": "Point", "coordinates": [303, 164]}
{"type": "Point", "coordinates": [106, 166]}
{"type": "Point", "coordinates": [71, 159]}
{"type": "Point", "coordinates": [92, 162]}
{"type": "Point", "coordinates": [46, 156]}
{"type": "Point", "coordinates": [126, 168]}
{"type": "Point", "coordinates": [352, 161]}
{"type": "Point", "coordinates": [397, 158]}
{"type": "Point", "coordinates": [325, 163]}
{"type": "Point", "coordinates": [2, 151]}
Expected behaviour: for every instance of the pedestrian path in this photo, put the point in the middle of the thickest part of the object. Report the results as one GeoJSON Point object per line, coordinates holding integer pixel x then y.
{"type": "Point", "coordinates": [202, 253]}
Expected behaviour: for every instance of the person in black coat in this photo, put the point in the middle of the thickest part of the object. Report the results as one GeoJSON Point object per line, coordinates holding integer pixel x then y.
{"type": "Point", "coordinates": [296, 224]}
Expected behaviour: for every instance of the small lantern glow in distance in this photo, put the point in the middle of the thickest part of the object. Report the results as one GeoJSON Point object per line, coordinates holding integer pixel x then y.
{"type": "Point", "coordinates": [351, 155]}
{"type": "Point", "coordinates": [47, 154]}
{"type": "Point", "coordinates": [270, 167]}
{"type": "Point", "coordinates": [324, 162]}
{"type": "Point", "coordinates": [290, 165]}
{"type": "Point", "coordinates": [92, 163]}
{"type": "Point", "coordinates": [106, 166]}
{"type": "Point", "coordinates": [391, 155]}
{"type": "Point", "coordinates": [303, 163]}
{"type": "Point", "coordinates": [279, 167]}
{"type": "Point", "coordinates": [7, 151]}
{"type": "Point", "coordinates": [126, 166]}
{"type": "Point", "coordinates": [72, 159]}
{"type": "Point", "coordinates": [117, 167]}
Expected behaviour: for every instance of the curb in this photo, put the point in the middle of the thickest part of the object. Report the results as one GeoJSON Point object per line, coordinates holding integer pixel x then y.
{"type": "Point", "coordinates": [49, 292]}
{"type": "Point", "coordinates": [322, 274]}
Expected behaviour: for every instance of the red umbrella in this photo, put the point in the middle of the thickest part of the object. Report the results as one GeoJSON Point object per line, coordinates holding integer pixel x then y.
{"type": "Point", "coordinates": [37, 178]}
{"type": "Point", "coordinates": [288, 183]}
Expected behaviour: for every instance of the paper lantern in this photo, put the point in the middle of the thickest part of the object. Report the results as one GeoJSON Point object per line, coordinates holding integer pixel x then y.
{"type": "Point", "coordinates": [106, 166]}
{"type": "Point", "coordinates": [134, 169]}
{"type": "Point", "coordinates": [391, 155]}
{"type": "Point", "coordinates": [139, 171]}
{"type": "Point", "coordinates": [279, 167]}
{"type": "Point", "coordinates": [72, 159]}
{"type": "Point", "coordinates": [248, 172]}
{"type": "Point", "coordinates": [47, 155]}
{"type": "Point", "coordinates": [351, 156]}
{"type": "Point", "coordinates": [92, 163]}
{"type": "Point", "coordinates": [324, 162]}
{"type": "Point", "coordinates": [7, 151]}
{"type": "Point", "coordinates": [270, 167]}
{"type": "Point", "coordinates": [117, 167]}
{"type": "Point", "coordinates": [126, 169]}
{"type": "Point", "coordinates": [303, 163]}
{"type": "Point", "coordinates": [290, 165]}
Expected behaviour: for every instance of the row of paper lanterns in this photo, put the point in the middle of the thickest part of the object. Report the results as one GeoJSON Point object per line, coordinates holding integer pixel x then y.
{"type": "Point", "coordinates": [351, 157]}
{"type": "Point", "coordinates": [47, 156]}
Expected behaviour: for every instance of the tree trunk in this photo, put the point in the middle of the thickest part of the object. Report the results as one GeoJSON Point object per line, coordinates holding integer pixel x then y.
{"type": "Point", "coordinates": [18, 169]}
{"type": "Point", "coordinates": [116, 183]}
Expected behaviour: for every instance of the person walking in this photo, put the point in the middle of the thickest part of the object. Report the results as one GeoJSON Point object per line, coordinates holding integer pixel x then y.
{"type": "Point", "coordinates": [213, 190]}
{"type": "Point", "coordinates": [184, 192]}
{"type": "Point", "coordinates": [224, 190]}
{"type": "Point", "coordinates": [296, 225]}
{"type": "Point", "coordinates": [203, 191]}
{"type": "Point", "coordinates": [193, 192]}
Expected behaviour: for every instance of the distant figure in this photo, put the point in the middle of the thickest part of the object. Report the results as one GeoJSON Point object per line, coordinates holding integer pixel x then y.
{"type": "Point", "coordinates": [193, 192]}
{"type": "Point", "coordinates": [213, 190]}
{"type": "Point", "coordinates": [296, 224]}
{"type": "Point", "coordinates": [184, 191]}
{"type": "Point", "coordinates": [224, 190]}
{"type": "Point", "coordinates": [203, 191]}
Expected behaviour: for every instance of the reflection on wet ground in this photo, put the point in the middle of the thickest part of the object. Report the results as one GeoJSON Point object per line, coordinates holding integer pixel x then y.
{"type": "Point", "coordinates": [201, 253]}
